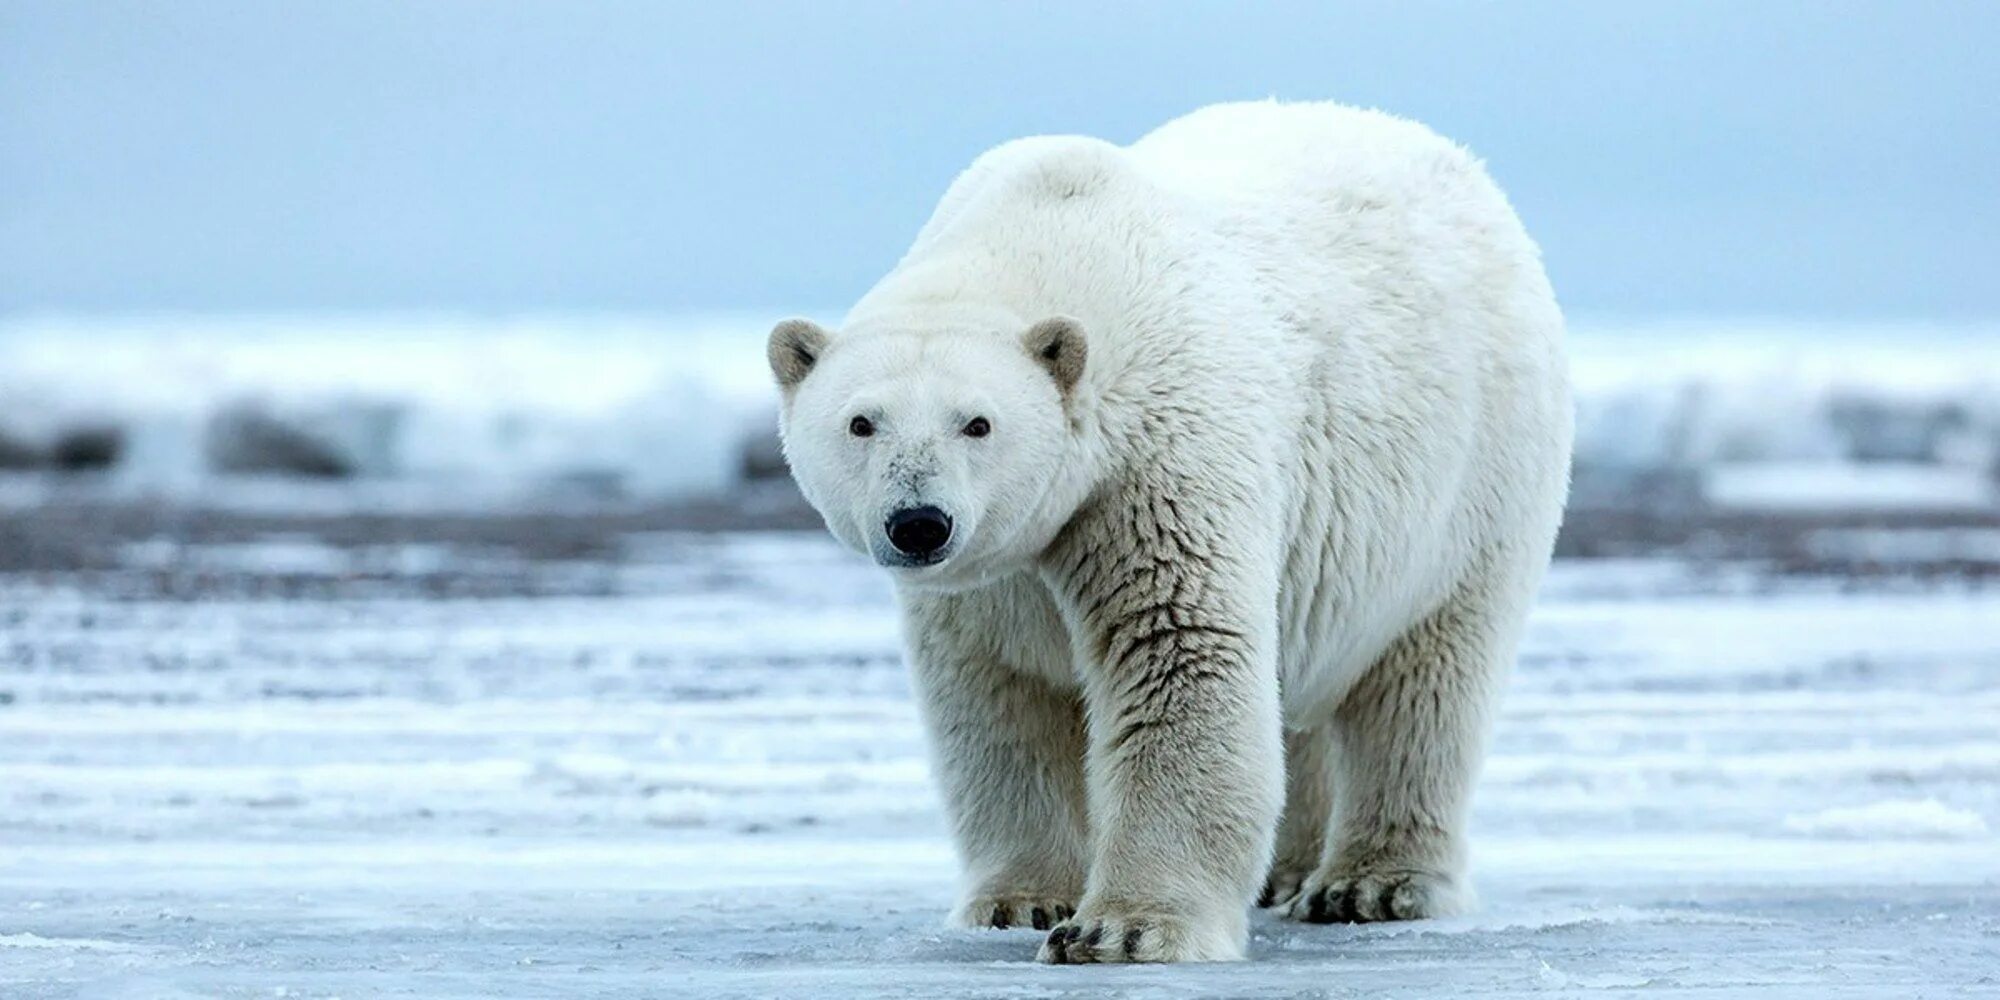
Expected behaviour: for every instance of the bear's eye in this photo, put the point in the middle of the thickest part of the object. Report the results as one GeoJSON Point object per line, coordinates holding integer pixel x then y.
{"type": "Point", "coordinates": [977, 427]}
{"type": "Point", "coordinates": [860, 427]}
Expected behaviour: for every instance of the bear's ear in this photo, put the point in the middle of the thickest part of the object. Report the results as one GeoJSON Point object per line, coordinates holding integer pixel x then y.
{"type": "Point", "coordinates": [1056, 344]}
{"type": "Point", "coordinates": [795, 346]}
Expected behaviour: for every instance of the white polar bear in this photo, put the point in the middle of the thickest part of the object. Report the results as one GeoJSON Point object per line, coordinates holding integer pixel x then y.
{"type": "Point", "coordinates": [1216, 474]}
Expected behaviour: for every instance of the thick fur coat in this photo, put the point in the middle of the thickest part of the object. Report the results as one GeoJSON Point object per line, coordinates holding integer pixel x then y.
{"type": "Point", "coordinates": [1216, 473]}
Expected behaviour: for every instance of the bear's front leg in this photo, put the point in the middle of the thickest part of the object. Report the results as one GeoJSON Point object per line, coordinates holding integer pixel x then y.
{"type": "Point", "coordinates": [1007, 748]}
{"type": "Point", "coordinates": [1174, 625]}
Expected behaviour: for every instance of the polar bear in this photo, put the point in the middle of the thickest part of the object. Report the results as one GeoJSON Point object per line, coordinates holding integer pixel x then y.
{"type": "Point", "coordinates": [1215, 474]}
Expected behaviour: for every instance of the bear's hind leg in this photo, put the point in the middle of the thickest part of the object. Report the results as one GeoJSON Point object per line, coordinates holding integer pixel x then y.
{"type": "Point", "coordinates": [1308, 809]}
{"type": "Point", "coordinates": [1408, 743]}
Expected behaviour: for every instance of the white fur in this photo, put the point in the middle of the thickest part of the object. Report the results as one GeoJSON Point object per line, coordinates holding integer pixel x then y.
{"type": "Point", "coordinates": [1295, 508]}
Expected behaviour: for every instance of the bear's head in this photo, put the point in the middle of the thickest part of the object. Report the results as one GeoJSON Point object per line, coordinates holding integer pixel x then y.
{"type": "Point", "coordinates": [941, 450]}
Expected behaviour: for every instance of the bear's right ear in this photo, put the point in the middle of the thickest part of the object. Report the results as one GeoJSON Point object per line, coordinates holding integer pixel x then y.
{"type": "Point", "coordinates": [1056, 344]}
{"type": "Point", "coordinates": [795, 346]}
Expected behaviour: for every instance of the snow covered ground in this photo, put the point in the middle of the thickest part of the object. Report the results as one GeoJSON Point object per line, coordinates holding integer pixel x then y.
{"type": "Point", "coordinates": [277, 767]}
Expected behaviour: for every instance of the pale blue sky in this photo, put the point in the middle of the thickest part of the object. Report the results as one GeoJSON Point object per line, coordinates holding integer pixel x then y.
{"type": "Point", "coordinates": [1806, 159]}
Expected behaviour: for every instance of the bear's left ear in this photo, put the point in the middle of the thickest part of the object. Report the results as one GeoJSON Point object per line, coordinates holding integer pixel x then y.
{"type": "Point", "coordinates": [795, 346]}
{"type": "Point", "coordinates": [1056, 344]}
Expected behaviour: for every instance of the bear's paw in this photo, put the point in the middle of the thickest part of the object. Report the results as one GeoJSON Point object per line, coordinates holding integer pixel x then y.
{"type": "Point", "coordinates": [1370, 897]}
{"type": "Point", "coordinates": [1038, 910]}
{"type": "Point", "coordinates": [1282, 885]}
{"type": "Point", "coordinates": [1115, 934]}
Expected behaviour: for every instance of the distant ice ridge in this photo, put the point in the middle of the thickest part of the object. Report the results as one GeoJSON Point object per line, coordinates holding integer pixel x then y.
{"type": "Point", "coordinates": [635, 408]}
{"type": "Point", "coordinates": [1744, 413]}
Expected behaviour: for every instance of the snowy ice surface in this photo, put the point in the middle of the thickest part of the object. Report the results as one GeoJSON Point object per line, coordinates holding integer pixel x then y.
{"type": "Point", "coordinates": [665, 406]}
{"type": "Point", "coordinates": [1892, 818]}
{"type": "Point", "coordinates": [1835, 485]}
{"type": "Point", "coordinates": [701, 775]}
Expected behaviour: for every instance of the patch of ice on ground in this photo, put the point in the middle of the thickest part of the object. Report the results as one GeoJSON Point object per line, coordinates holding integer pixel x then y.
{"type": "Point", "coordinates": [1553, 978]}
{"type": "Point", "coordinates": [26, 940]}
{"type": "Point", "coordinates": [1895, 818]}
{"type": "Point", "coordinates": [1540, 919]}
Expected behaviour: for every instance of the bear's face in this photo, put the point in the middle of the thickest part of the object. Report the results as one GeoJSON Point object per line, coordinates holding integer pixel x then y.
{"type": "Point", "coordinates": [935, 452]}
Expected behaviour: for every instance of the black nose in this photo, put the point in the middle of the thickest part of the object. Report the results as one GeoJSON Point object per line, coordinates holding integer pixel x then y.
{"type": "Point", "coordinates": [918, 531]}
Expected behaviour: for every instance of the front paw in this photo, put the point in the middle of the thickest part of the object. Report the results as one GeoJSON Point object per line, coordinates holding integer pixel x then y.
{"type": "Point", "coordinates": [1040, 910]}
{"type": "Point", "coordinates": [1367, 897]}
{"type": "Point", "coordinates": [1101, 934]}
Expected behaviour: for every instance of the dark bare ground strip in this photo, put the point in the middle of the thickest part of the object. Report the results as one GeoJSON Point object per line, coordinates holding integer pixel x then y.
{"type": "Point", "coordinates": [84, 529]}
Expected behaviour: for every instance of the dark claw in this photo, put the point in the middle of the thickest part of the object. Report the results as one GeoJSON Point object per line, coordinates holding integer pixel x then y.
{"type": "Point", "coordinates": [999, 919]}
{"type": "Point", "coordinates": [1132, 940]}
{"type": "Point", "coordinates": [1264, 898]}
{"type": "Point", "coordinates": [1316, 909]}
{"type": "Point", "coordinates": [1064, 912]}
{"type": "Point", "coordinates": [1094, 938]}
{"type": "Point", "coordinates": [1059, 941]}
{"type": "Point", "coordinates": [1041, 919]}
{"type": "Point", "coordinates": [1344, 910]}
{"type": "Point", "coordinates": [1385, 905]}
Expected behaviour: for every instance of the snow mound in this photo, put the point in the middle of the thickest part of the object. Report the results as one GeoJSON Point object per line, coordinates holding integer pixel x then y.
{"type": "Point", "coordinates": [1906, 819]}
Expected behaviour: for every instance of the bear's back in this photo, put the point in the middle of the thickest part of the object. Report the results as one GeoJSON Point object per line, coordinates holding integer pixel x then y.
{"type": "Point", "coordinates": [1340, 194]}
{"type": "Point", "coordinates": [1349, 215]}
{"type": "Point", "coordinates": [1265, 150]}
{"type": "Point", "coordinates": [1018, 175]}
{"type": "Point", "coordinates": [1043, 225]}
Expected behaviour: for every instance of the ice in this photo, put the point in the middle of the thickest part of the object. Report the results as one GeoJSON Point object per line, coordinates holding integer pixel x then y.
{"type": "Point", "coordinates": [472, 411]}
{"type": "Point", "coordinates": [1880, 486]}
{"type": "Point", "coordinates": [1695, 393]}
{"type": "Point", "coordinates": [1908, 546]}
{"type": "Point", "coordinates": [37, 941]}
{"type": "Point", "coordinates": [1897, 818]}
{"type": "Point", "coordinates": [697, 771]}
{"type": "Point", "coordinates": [649, 409]}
